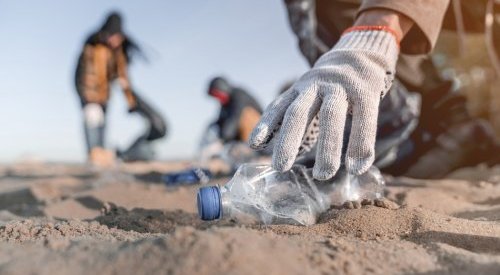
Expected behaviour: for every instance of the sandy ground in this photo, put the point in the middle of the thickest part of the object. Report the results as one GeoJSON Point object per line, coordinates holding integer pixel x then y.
{"type": "Point", "coordinates": [61, 218]}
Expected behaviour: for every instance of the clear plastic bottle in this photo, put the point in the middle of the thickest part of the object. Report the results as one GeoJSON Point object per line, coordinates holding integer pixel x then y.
{"type": "Point", "coordinates": [259, 194]}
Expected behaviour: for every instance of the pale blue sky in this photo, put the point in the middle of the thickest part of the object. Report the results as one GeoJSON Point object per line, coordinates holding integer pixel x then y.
{"type": "Point", "coordinates": [188, 42]}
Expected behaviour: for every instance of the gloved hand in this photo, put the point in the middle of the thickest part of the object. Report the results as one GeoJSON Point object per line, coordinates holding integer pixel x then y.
{"type": "Point", "coordinates": [351, 77]}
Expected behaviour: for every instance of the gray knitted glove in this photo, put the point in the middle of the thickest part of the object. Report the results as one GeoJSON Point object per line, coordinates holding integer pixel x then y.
{"type": "Point", "coordinates": [352, 77]}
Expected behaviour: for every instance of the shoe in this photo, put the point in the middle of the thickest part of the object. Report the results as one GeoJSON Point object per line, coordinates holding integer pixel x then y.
{"type": "Point", "coordinates": [101, 157]}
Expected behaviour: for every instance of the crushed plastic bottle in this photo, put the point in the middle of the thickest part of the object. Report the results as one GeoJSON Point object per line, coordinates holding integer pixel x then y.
{"type": "Point", "coordinates": [259, 194]}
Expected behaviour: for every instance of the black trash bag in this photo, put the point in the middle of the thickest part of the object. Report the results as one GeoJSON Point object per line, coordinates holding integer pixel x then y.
{"type": "Point", "coordinates": [141, 149]}
{"type": "Point", "coordinates": [158, 126]}
{"type": "Point", "coordinates": [311, 36]}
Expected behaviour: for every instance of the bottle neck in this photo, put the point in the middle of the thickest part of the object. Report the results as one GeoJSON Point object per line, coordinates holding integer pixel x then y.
{"type": "Point", "coordinates": [225, 202]}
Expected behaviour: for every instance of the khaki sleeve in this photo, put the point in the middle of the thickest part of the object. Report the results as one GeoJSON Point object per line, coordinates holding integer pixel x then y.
{"type": "Point", "coordinates": [94, 84]}
{"type": "Point", "coordinates": [124, 80]}
{"type": "Point", "coordinates": [428, 17]}
{"type": "Point", "coordinates": [87, 81]}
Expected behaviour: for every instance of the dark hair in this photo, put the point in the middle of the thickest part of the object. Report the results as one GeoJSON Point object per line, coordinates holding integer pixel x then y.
{"type": "Point", "coordinates": [114, 25]}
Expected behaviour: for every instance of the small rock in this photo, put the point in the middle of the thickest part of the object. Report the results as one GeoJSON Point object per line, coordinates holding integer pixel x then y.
{"type": "Point", "coordinates": [385, 203]}
{"type": "Point", "coordinates": [348, 205]}
{"type": "Point", "coordinates": [366, 202]}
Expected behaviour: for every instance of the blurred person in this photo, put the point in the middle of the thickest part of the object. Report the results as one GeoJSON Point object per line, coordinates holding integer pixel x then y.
{"type": "Point", "coordinates": [372, 95]}
{"type": "Point", "coordinates": [224, 145]}
{"type": "Point", "coordinates": [239, 111]}
{"type": "Point", "coordinates": [105, 58]}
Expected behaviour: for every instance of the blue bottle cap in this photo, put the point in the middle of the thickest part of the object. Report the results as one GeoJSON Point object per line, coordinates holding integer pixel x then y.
{"type": "Point", "coordinates": [209, 203]}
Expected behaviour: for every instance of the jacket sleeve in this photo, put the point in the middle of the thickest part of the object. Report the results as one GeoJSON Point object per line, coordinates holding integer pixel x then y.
{"type": "Point", "coordinates": [428, 17]}
{"type": "Point", "coordinates": [124, 80]}
{"type": "Point", "coordinates": [84, 79]}
{"type": "Point", "coordinates": [230, 125]}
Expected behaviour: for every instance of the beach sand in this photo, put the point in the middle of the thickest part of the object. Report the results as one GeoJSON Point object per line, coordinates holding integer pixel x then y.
{"type": "Point", "coordinates": [71, 219]}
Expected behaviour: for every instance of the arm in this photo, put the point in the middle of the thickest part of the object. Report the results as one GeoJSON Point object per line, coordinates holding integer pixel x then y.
{"type": "Point", "coordinates": [302, 17]}
{"type": "Point", "coordinates": [85, 79]}
{"type": "Point", "coordinates": [352, 78]}
{"type": "Point", "coordinates": [396, 21]}
{"type": "Point", "coordinates": [230, 125]}
{"type": "Point", "coordinates": [426, 15]}
{"type": "Point", "coordinates": [124, 81]}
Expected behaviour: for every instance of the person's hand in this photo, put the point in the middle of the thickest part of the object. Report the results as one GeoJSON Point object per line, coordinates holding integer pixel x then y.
{"type": "Point", "coordinates": [132, 104]}
{"type": "Point", "coordinates": [351, 77]}
{"type": "Point", "coordinates": [132, 109]}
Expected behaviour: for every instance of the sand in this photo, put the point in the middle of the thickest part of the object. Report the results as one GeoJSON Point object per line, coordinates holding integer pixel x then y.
{"type": "Point", "coordinates": [64, 218]}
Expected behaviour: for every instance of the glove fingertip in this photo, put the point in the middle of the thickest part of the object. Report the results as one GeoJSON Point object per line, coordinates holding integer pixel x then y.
{"type": "Point", "coordinates": [358, 166]}
{"type": "Point", "coordinates": [282, 164]}
{"type": "Point", "coordinates": [320, 173]}
{"type": "Point", "coordinates": [258, 134]}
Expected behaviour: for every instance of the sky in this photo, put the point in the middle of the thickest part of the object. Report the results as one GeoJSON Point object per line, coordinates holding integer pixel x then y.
{"type": "Point", "coordinates": [187, 42]}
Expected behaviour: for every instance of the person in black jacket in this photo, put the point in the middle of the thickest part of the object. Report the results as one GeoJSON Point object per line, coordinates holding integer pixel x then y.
{"type": "Point", "coordinates": [239, 111]}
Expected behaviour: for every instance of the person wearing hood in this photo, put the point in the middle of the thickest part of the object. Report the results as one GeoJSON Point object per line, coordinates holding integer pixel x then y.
{"type": "Point", "coordinates": [105, 58]}
{"type": "Point", "coordinates": [239, 111]}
